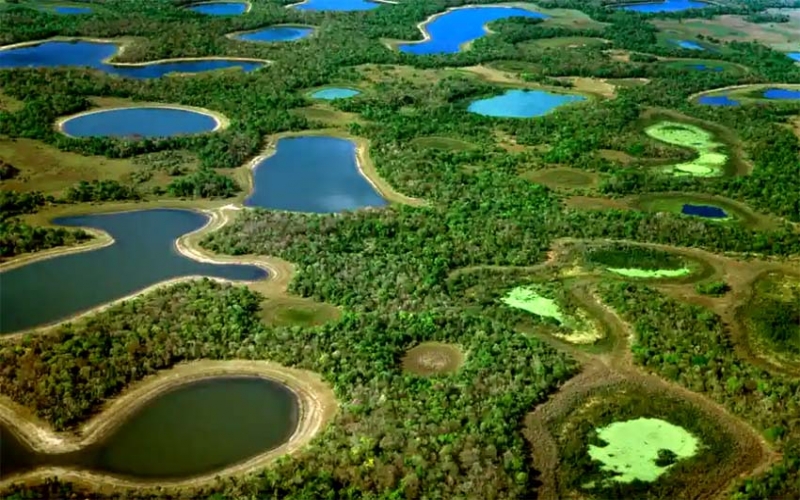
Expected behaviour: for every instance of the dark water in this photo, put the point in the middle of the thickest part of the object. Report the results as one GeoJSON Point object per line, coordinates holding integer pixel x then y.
{"type": "Point", "coordinates": [139, 122]}
{"type": "Point", "coordinates": [703, 67]}
{"type": "Point", "coordinates": [69, 11]}
{"type": "Point", "coordinates": [337, 5]}
{"type": "Point", "coordinates": [220, 8]}
{"type": "Point", "coordinates": [143, 254]}
{"type": "Point", "coordinates": [312, 174]}
{"type": "Point", "coordinates": [451, 30]}
{"type": "Point", "coordinates": [707, 211]}
{"type": "Point", "coordinates": [665, 6]}
{"type": "Point", "coordinates": [276, 34]}
{"type": "Point", "coordinates": [194, 429]}
{"type": "Point", "coordinates": [717, 100]}
{"type": "Point", "coordinates": [782, 94]}
{"type": "Point", "coordinates": [92, 55]}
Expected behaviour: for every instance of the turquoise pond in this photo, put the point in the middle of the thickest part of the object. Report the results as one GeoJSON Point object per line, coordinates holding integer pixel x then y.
{"type": "Point", "coordinates": [452, 29]}
{"type": "Point", "coordinates": [782, 94]}
{"type": "Point", "coordinates": [312, 174]}
{"type": "Point", "coordinates": [666, 6]}
{"type": "Point", "coordinates": [334, 93]}
{"type": "Point", "coordinates": [794, 55]}
{"type": "Point", "coordinates": [717, 100]}
{"type": "Point", "coordinates": [142, 255]}
{"type": "Point", "coordinates": [707, 211]}
{"type": "Point", "coordinates": [92, 55]}
{"type": "Point", "coordinates": [141, 122]}
{"type": "Point", "coordinates": [71, 11]}
{"type": "Point", "coordinates": [220, 8]}
{"type": "Point", "coordinates": [275, 34]}
{"type": "Point", "coordinates": [336, 5]}
{"type": "Point", "coordinates": [522, 103]}
{"type": "Point", "coordinates": [687, 44]}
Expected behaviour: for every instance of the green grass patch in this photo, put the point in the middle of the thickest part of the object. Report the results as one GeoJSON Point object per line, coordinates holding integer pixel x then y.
{"type": "Point", "coordinates": [772, 317]}
{"type": "Point", "coordinates": [529, 300]}
{"type": "Point", "coordinates": [674, 202]}
{"type": "Point", "coordinates": [440, 142]}
{"type": "Point", "coordinates": [710, 161]}
{"type": "Point", "coordinates": [568, 178]}
{"type": "Point", "coordinates": [633, 272]}
{"type": "Point", "coordinates": [634, 257]}
{"type": "Point", "coordinates": [568, 42]}
{"type": "Point", "coordinates": [295, 311]}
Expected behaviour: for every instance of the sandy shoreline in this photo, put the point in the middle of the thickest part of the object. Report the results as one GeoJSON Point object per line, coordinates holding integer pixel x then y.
{"type": "Point", "coordinates": [246, 10]}
{"type": "Point", "coordinates": [316, 401]}
{"type": "Point", "coordinates": [752, 86]}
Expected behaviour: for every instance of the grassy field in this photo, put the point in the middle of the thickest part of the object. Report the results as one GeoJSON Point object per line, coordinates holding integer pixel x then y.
{"type": "Point", "coordinates": [441, 142]}
{"type": "Point", "coordinates": [296, 311]}
{"type": "Point", "coordinates": [327, 116]}
{"type": "Point", "coordinates": [433, 358]}
{"type": "Point", "coordinates": [563, 178]}
{"type": "Point", "coordinates": [8, 103]}
{"type": "Point", "coordinates": [569, 42]}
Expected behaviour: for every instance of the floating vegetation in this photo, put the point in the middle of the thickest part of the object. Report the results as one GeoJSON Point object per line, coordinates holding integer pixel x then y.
{"type": "Point", "coordinates": [710, 161]}
{"type": "Point", "coordinates": [575, 327]}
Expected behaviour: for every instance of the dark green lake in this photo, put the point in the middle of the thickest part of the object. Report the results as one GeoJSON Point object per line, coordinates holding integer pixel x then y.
{"type": "Point", "coordinates": [194, 429]}
{"type": "Point", "coordinates": [143, 254]}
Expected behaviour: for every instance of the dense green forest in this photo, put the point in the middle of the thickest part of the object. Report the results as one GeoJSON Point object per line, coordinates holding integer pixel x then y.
{"type": "Point", "coordinates": [393, 270]}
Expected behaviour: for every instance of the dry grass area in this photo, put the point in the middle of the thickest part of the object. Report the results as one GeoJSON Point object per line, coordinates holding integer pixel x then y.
{"type": "Point", "coordinates": [596, 86]}
{"type": "Point", "coordinates": [617, 156]}
{"type": "Point", "coordinates": [377, 73]}
{"type": "Point", "coordinates": [779, 36]}
{"type": "Point", "coordinates": [618, 55]}
{"type": "Point", "coordinates": [567, 42]}
{"type": "Point", "coordinates": [8, 103]}
{"type": "Point", "coordinates": [594, 203]}
{"type": "Point", "coordinates": [564, 178]}
{"type": "Point", "coordinates": [326, 115]}
{"type": "Point", "coordinates": [433, 358]}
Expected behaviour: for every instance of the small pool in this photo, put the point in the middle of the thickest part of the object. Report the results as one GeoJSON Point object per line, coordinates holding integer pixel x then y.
{"type": "Point", "coordinates": [703, 67]}
{"type": "Point", "coordinates": [666, 6]}
{"type": "Point", "coordinates": [707, 211]}
{"type": "Point", "coordinates": [220, 8]}
{"type": "Point", "coordinates": [334, 93]}
{"type": "Point", "coordinates": [275, 34]}
{"type": "Point", "coordinates": [522, 103]}
{"type": "Point", "coordinates": [794, 56]}
{"type": "Point", "coordinates": [335, 5]}
{"type": "Point", "coordinates": [688, 45]}
{"type": "Point", "coordinates": [782, 94]}
{"type": "Point", "coordinates": [71, 10]}
{"type": "Point", "coordinates": [140, 122]}
{"type": "Point", "coordinates": [447, 33]}
{"type": "Point", "coordinates": [717, 100]}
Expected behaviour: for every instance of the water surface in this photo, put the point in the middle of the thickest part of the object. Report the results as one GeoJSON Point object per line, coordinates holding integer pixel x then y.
{"type": "Point", "coordinates": [717, 100]}
{"type": "Point", "coordinates": [666, 6]}
{"type": "Point", "coordinates": [70, 11]}
{"type": "Point", "coordinates": [522, 103]}
{"type": "Point", "coordinates": [141, 122]}
{"type": "Point", "coordinates": [93, 54]}
{"type": "Point", "coordinates": [143, 254]}
{"type": "Point", "coordinates": [448, 32]}
{"type": "Point", "coordinates": [312, 174]}
{"type": "Point", "coordinates": [782, 94]}
{"type": "Point", "coordinates": [336, 5]}
{"type": "Point", "coordinates": [703, 67]}
{"type": "Point", "coordinates": [707, 211]}
{"type": "Point", "coordinates": [688, 44]}
{"type": "Point", "coordinates": [275, 34]}
{"type": "Point", "coordinates": [220, 8]}
{"type": "Point", "coordinates": [794, 56]}
{"type": "Point", "coordinates": [334, 93]}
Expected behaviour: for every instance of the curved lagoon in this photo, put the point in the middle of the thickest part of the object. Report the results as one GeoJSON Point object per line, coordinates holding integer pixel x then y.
{"type": "Point", "coordinates": [335, 5]}
{"type": "Point", "coordinates": [141, 122]}
{"type": "Point", "coordinates": [448, 32]}
{"type": "Point", "coordinates": [717, 100]}
{"type": "Point", "coordinates": [143, 254]}
{"type": "Point", "coordinates": [92, 55]}
{"type": "Point", "coordinates": [706, 211]}
{"type": "Point", "coordinates": [312, 174]}
{"type": "Point", "coordinates": [194, 429]}
{"type": "Point", "coordinates": [275, 34]}
{"type": "Point", "coordinates": [522, 103]}
{"type": "Point", "coordinates": [71, 10]}
{"type": "Point", "coordinates": [665, 6]}
{"type": "Point", "coordinates": [334, 93]}
{"type": "Point", "coordinates": [782, 94]}
{"type": "Point", "coordinates": [220, 8]}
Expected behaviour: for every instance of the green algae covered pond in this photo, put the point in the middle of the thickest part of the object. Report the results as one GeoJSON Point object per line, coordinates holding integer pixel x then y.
{"type": "Point", "coordinates": [711, 154]}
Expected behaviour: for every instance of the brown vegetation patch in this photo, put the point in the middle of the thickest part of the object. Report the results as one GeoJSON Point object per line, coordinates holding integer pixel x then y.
{"type": "Point", "coordinates": [327, 116]}
{"type": "Point", "coordinates": [617, 156]}
{"type": "Point", "coordinates": [729, 28]}
{"type": "Point", "coordinates": [596, 86]}
{"type": "Point", "coordinates": [595, 203]}
{"type": "Point", "coordinates": [433, 358]}
{"type": "Point", "coordinates": [8, 103]}
{"type": "Point", "coordinates": [565, 178]}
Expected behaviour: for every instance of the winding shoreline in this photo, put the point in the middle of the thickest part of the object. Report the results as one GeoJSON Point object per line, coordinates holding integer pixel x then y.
{"type": "Point", "coordinates": [315, 398]}
{"type": "Point", "coordinates": [233, 35]}
{"type": "Point", "coordinates": [752, 86]}
{"type": "Point", "coordinates": [246, 10]}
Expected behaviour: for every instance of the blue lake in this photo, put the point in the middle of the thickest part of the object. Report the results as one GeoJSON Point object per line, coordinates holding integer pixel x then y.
{"type": "Point", "coordinates": [70, 11]}
{"type": "Point", "coordinates": [794, 55]}
{"type": "Point", "coordinates": [220, 8]}
{"type": "Point", "coordinates": [666, 6]}
{"type": "Point", "coordinates": [337, 5]}
{"type": "Point", "coordinates": [522, 103]}
{"type": "Point", "coordinates": [312, 174]}
{"type": "Point", "coordinates": [92, 55]}
{"type": "Point", "coordinates": [707, 211]}
{"type": "Point", "coordinates": [139, 122]}
{"type": "Point", "coordinates": [275, 34]}
{"type": "Point", "coordinates": [703, 67]}
{"type": "Point", "coordinates": [689, 45]}
{"type": "Point", "coordinates": [334, 93]}
{"type": "Point", "coordinates": [448, 32]}
{"type": "Point", "coordinates": [782, 94]}
{"type": "Point", "coordinates": [717, 100]}
{"type": "Point", "coordinates": [143, 254]}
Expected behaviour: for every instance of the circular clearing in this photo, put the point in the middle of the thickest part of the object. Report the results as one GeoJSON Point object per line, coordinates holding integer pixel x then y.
{"type": "Point", "coordinates": [294, 311]}
{"type": "Point", "coordinates": [565, 178]}
{"type": "Point", "coordinates": [433, 358]}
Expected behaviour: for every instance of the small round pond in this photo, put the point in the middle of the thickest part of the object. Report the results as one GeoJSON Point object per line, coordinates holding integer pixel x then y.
{"type": "Point", "coordinates": [220, 8]}
{"type": "Point", "coordinates": [275, 34]}
{"type": "Point", "coordinates": [703, 67]}
{"type": "Point", "coordinates": [140, 122]}
{"type": "Point", "coordinates": [332, 93]}
{"type": "Point", "coordinates": [312, 174]}
{"type": "Point", "coordinates": [95, 54]}
{"type": "Point", "coordinates": [782, 94]}
{"type": "Point", "coordinates": [522, 103]}
{"type": "Point", "coordinates": [446, 33]}
{"type": "Point", "coordinates": [142, 255]}
{"type": "Point", "coordinates": [335, 5]}
{"type": "Point", "coordinates": [706, 211]}
{"type": "Point", "coordinates": [665, 6]}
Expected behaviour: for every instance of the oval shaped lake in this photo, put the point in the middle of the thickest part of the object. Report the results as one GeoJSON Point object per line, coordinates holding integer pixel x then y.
{"type": "Point", "coordinates": [143, 254]}
{"type": "Point", "coordinates": [688, 44]}
{"type": "Point", "coordinates": [447, 33]}
{"type": "Point", "coordinates": [93, 55]}
{"type": "Point", "coordinates": [782, 94]}
{"type": "Point", "coordinates": [707, 211]}
{"type": "Point", "coordinates": [665, 6]}
{"type": "Point", "coordinates": [717, 100]}
{"type": "Point", "coordinates": [312, 174]}
{"type": "Point", "coordinates": [335, 5]}
{"type": "Point", "coordinates": [71, 10]}
{"type": "Point", "coordinates": [139, 123]}
{"type": "Point", "coordinates": [219, 8]}
{"type": "Point", "coordinates": [275, 34]}
{"type": "Point", "coordinates": [334, 93]}
{"type": "Point", "coordinates": [522, 103]}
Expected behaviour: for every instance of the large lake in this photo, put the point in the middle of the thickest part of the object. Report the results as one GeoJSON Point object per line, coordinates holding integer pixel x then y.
{"type": "Point", "coordinates": [336, 5]}
{"type": "Point", "coordinates": [220, 8]}
{"type": "Point", "coordinates": [448, 32]}
{"type": "Point", "coordinates": [522, 103]}
{"type": "Point", "coordinates": [312, 174]}
{"type": "Point", "coordinates": [194, 429]}
{"type": "Point", "coordinates": [140, 122]}
{"type": "Point", "coordinates": [142, 255]}
{"type": "Point", "coordinates": [275, 34]}
{"type": "Point", "coordinates": [666, 6]}
{"type": "Point", "coordinates": [92, 55]}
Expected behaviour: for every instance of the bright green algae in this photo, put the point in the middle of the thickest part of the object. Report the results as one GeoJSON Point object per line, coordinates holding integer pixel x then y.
{"type": "Point", "coordinates": [710, 161]}
{"type": "Point", "coordinates": [633, 447]}
{"type": "Point", "coordinates": [528, 300]}
{"type": "Point", "coordinates": [634, 272]}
